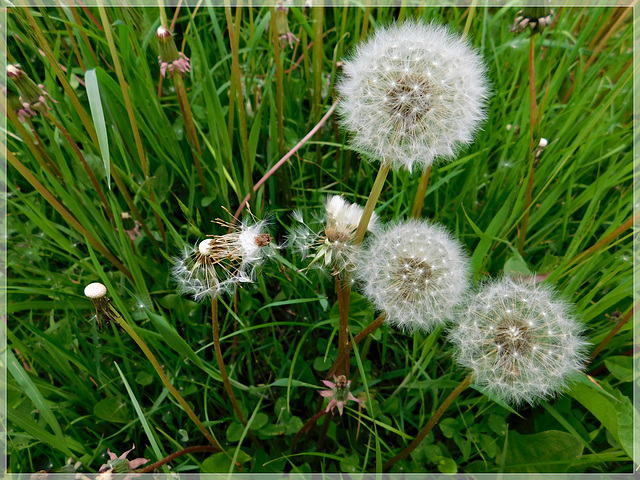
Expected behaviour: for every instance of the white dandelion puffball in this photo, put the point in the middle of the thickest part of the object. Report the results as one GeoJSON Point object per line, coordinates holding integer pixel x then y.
{"type": "Point", "coordinates": [412, 93]}
{"type": "Point", "coordinates": [416, 272]}
{"type": "Point", "coordinates": [344, 217]}
{"type": "Point", "coordinates": [521, 343]}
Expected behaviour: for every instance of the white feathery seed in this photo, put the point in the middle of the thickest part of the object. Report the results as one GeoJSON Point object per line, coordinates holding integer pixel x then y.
{"type": "Point", "coordinates": [416, 272]}
{"type": "Point", "coordinates": [413, 93]}
{"type": "Point", "coordinates": [215, 264]}
{"type": "Point", "coordinates": [333, 246]}
{"type": "Point", "coordinates": [520, 341]}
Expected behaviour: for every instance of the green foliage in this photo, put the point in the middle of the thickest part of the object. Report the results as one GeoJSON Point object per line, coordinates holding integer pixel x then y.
{"type": "Point", "coordinates": [74, 391]}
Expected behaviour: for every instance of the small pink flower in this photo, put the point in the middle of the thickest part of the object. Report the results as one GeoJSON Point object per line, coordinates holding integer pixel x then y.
{"type": "Point", "coordinates": [339, 393]}
{"type": "Point", "coordinates": [121, 464]}
{"type": "Point", "coordinates": [288, 37]}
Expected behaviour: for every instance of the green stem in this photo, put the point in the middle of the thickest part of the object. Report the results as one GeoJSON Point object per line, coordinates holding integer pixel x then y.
{"type": "Point", "coordinates": [418, 202]}
{"type": "Point", "coordinates": [430, 424]}
{"type": "Point", "coordinates": [371, 203]}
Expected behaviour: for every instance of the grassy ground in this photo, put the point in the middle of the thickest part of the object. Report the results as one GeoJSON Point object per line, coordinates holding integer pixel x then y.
{"type": "Point", "coordinates": [74, 391]}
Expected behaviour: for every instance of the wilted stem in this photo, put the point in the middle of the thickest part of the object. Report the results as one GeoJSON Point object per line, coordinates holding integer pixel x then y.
{"type": "Point", "coordinates": [418, 202]}
{"type": "Point", "coordinates": [343, 290]}
{"type": "Point", "coordinates": [371, 202]}
{"type": "Point", "coordinates": [430, 424]}
{"type": "Point", "coordinates": [605, 341]}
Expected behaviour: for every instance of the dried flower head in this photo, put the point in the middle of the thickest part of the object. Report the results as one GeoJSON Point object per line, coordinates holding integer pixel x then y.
{"type": "Point", "coordinates": [339, 393]}
{"type": "Point", "coordinates": [416, 272]}
{"type": "Point", "coordinates": [105, 311]}
{"type": "Point", "coordinates": [170, 59]}
{"type": "Point", "coordinates": [32, 97]}
{"type": "Point", "coordinates": [219, 262]}
{"type": "Point", "coordinates": [120, 464]}
{"type": "Point", "coordinates": [536, 18]}
{"type": "Point", "coordinates": [521, 343]}
{"type": "Point", "coordinates": [413, 93]}
{"type": "Point", "coordinates": [333, 246]}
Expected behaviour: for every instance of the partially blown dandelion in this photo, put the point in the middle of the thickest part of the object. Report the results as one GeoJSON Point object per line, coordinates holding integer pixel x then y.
{"type": "Point", "coordinates": [413, 93]}
{"type": "Point", "coordinates": [521, 343]}
{"type": "Point", "coordinates": [339, 394]}
{"type": "Point", "coordinates": [219, 262]}
{"type": "Point", "coordinates": [416, 272]}
{"type": "Point", "coordinates": [334, 246]}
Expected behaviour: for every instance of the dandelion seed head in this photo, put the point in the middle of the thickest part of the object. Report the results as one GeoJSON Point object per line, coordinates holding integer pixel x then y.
{"type": "Point", "coordinates": [521, 342]}
{"type": "Point", "coordinates": [413, 93]}
{"type": "Point", "coordinates": [416, 272]}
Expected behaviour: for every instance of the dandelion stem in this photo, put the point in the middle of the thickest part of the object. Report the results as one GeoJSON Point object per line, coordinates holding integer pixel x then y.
{"type": "Point", "coordinates": [223, 370]}
{"type": "Point", "coordinates": [373, 326]}
{"type": "Point", "coordinates": [430, 424]}
{"type": "Point", "coordinates": [418, 202]}
{"type": "Point", "coordinates": [174, 455]}
{"type": "Point", "coordinates": [371, 202]}
{"type": "Point", "coordinates": [306, 427]}
{"type": "Point", "coordinates": [532, 151]}
{"type": "Point", "coordinates": [343, 290]}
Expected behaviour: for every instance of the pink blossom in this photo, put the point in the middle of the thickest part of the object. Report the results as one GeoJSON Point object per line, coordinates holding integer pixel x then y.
{"type": "Point", "coordinates": [121, 464]}
{"type": "Point", "coordinates": [339, 393]}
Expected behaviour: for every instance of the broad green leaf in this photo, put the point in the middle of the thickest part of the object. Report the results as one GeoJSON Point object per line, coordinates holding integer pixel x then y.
{"type": "Point", "coordinates": [95, 104]}
{"type": "Point", "coordinates": [550, 451]}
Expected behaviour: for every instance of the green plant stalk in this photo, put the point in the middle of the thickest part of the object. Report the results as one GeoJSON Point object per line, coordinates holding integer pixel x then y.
{"type": "Point", "coordinates": [430, 424]}
{"type": "Point", "coordinates": [279, 81]}
{"type": "Point", "coordinates": [164, 21]}
{"type": "Point", "coordinates": [532, 150]}
{"type": "Point", "coordinates": [42, 43]}
{"type": "Point", "coordinates": [215, 328]}
{"type": "Point", "coordinates": [80, 156]}
{"type": "Point", "coordinates": [83, 34]}
{"type": "Point", "coordinates": [284, 178]}
{"type": "Point", "coordinates": [132, 118]}
{"type": "Point", "coordinates": [42, 190]}
{"type": "Point", "coordinates": [371, 202]}
{"type": "Point", "coordinates": [418, 201]}
{"type": "Point", "coordinates": [167, 383]}
{"type": "Point", "coordinates": [365, 20]}
{"type": "Point", "coordinates": [236, 81]}
{"type": "Point", "coordinates": [317, 58]}
{"type": "Point", "coordinates": [192, 135]}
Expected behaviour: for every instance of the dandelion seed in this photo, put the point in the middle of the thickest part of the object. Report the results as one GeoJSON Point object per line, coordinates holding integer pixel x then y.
{"type": "Point", "coordinates": [520, 351]}
{"type": "Point", "coordinates": [333, 247]}
{"type": "Point", "coordinates": [218, 263]}
{"type": "Point", "coordinates": [416, 272]}
{"type": "Point", "coordinates": [413, 93]}
{"type": "Point", "coordinates": [105, 312]}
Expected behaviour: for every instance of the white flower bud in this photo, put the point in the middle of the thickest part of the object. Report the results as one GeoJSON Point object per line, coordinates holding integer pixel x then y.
{"type": "Point", "coordinates": [95, 290]}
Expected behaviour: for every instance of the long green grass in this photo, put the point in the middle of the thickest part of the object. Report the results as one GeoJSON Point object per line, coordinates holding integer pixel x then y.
{"type": "Point", "coordinates": [74, 391]}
